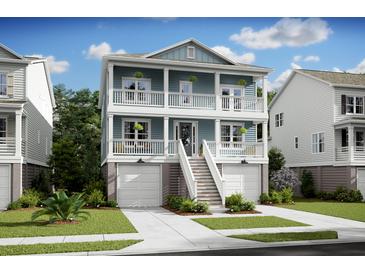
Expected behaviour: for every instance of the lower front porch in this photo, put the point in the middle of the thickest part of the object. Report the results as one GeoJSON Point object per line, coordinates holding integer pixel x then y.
{"type": "Point", "coordinates": [350, 143]}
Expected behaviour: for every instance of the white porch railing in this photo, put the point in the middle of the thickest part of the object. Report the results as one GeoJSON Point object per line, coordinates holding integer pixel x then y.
{"type": "Point", "coordinates": [242, 103]}
{"type": "Point", "coordinates": [359, 153]}
{"type": "Point", "coordinates": [342, 154]}
{"type": "Point", "coordinates": [138, 98]}
{"type": "Point", "coordinates": [187, 171]}
{"type": "Point", "coordinates": [219, 181]}
{"type": "Point", "coordinates": [199, 101]}
{"type": "Point", "coordinates": [172, 148]}
{"type": "Point", "coordinates": [236, 149]}
{"type": "Point", "coordinates": [138, 147]}
{"type": "Point", "coordinates": [7, 146]}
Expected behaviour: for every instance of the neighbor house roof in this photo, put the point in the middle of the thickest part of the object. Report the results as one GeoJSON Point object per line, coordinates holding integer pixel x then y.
{"type": "Point", "coordinates": [337, 78]}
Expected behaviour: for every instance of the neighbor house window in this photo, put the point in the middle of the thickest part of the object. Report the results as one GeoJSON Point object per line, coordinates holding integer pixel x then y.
{"type": "Point", "coordinates": [231, 132]}
{"type": "Point", "coordinates": [296, 142]}
{"type": "Point", "coordinates": [38, 136]}
{"type": "Point", "coordinates": [3, 84]}
{"type": "Point", "coordinates": [130, 133]}
{"type": "Point", "coordinates": [354, 105]}
{"type": "Point", "coordinates": [2, 127]}
{"type": "Point", "coordinates": [191, 52]}
{"type": "Point", "coordinates": [344, 137]}
{"type": "Point", "coordinates": [279, 120]}
{"type": "Point", "coordinates": [318, 142]}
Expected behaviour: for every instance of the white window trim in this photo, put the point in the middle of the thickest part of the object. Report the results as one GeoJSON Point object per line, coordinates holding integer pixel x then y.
{"type": "Point", "coordinates": [148, 121]}
{"type": "Point", "coordinates": [187, 52]}
{"type": "Point", "coordinates": [354, 105]}
{"type": "Point", "coordinates": [38, 136]}
{"type": "Point", "coordinates": [231, 89]}
{"type": "Point", "coordinates": [296, 142]}
{"type": "Point", "coordinates": [135, 82]}
{"type": "Point", "coordinates": [6, 125]}
{"type": "Point", "coordinates": [6, 76]}
{"type": "Point", "coordinates": [231, 124]}
{"type": "Point", "coordinates": [181, 82]}
{"type": "Point", "coordinates": [324, 143]}
{"type": "Point", "coordinates": [281, 121]}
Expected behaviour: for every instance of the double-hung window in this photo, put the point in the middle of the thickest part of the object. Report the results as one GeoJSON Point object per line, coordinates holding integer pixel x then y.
{"type": "Point", "coordinates": [3, 127]}
{"type": "Point", "coordinates": [132, 133]}
{"type": "Point", "coordinates": [135, 88]}
{"type": "Point", "coordinates": [3, 84]}
{"type": "Point", "coordinates": [279, 119]}
{"type": "Point", "coordinates": [296, 142]}
{"type": "Point", "coordinates": [354, 105]}
{"type": "Point", "coordinates": [186, 90]}
{"type": "Point", "coordinates": [190, 52]}
{"type": "Point", "coordinates": [318, 142]}
{"type": "Point", "coordinates": [231, 135]}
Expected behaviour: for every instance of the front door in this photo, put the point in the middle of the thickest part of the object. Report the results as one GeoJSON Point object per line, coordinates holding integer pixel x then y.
{"type": "Point", "coordinates": [186, 136]}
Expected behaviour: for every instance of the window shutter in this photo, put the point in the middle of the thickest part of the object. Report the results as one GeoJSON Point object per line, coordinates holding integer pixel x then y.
{"type": "Point", "coordinates": [343, 104]}
{"type": "Point", "coordinates": [10, 84]}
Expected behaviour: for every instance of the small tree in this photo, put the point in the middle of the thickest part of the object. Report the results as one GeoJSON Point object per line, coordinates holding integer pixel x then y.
{"type": "Point", "coordinates": [307, 186]}
{"type": "Point", "coordinates": [284, 178]}
{"type": "Point", "coordinates": [276, 160]}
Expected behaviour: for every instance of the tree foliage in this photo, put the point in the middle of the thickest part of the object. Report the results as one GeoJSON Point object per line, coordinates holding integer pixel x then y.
{"type": "Point", "coordinates": [276, 160]}
{"type": "Point", "coordinates": [284, 178]}
{"type": "Point", "coordinates": [75, 158]}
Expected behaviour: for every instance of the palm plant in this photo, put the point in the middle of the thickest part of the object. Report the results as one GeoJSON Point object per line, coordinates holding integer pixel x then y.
{"type": "Point", "coordinates": [60, 207]}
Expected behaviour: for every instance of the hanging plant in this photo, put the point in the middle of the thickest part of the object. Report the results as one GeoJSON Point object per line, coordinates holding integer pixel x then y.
{"type": "Point", "coordinates": [243, 130]}
{"type": "Point", "coordinates": [193, 78]}
{"type": "Point", "coordinates": [242, 82]}
{"type": "Point", "coordinates": [138, 127]}
{"type": "Point", "coordinates": [138, 74]}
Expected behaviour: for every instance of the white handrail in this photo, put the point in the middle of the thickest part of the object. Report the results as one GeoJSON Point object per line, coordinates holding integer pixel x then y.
{"type": "Point", "coordinates": [138, 97]}
{"type": "Point", "coordinates": [195, 100]}
{"type": "Point", "coordinates": [219, 181]}
{"type": "Point", "coordinates": [7, 145]}
{"type": "Point", "coordinates": [187, 171]}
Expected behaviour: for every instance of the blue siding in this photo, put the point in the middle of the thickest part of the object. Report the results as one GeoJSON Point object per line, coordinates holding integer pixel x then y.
{"type": "Point", "coordinates": [156, 76]}
{"type": "Point", "coordinates": [156, 126]}
{"type": "Point", "coordinates": [251, 131]}
{"type": "Point", "coordinates": [204, 84]}
{"type": "Point", "coordinates": [201, 55]}
{"type": "Point", "coordinates": [250, 89]}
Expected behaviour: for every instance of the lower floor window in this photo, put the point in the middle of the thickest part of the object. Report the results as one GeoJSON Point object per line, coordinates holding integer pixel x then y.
{"type": "Point", "coordinates": [2, 127]}
{"type": "Point", "coordinates": [318, 142]}
{"type": "Point", "coordinates": [136, 130]}
{"type": "Point", "coordinates": [231, 133]}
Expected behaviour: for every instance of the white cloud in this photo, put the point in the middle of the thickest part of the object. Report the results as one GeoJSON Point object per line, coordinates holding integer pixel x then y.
{"type": "Point", "coordinates": [291, 32]}
{"type": "Point", "coordinates": [98, 51]}
{"type": "Point", "coordinates": [163, 19]}
{"type": "Point", "coordinates": [280, 80]}
{"type": "Point", "coordinates": [246, 58]}
{"type": "Point", "coordinates": [297, 58]}
{"type": "Point", "coordinates": [336, 69]}
{"type": "Point", "coordinates": [311, 58]}
{"type": "Point", "coordinates": [55, 66]}
{"type": "Point", "coordinates": [360, 68]}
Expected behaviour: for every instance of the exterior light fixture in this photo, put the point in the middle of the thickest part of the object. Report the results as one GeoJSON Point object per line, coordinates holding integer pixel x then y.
{"type": "Point", "coordinates": [140, 161]}
{"type": "Point", "coordinates": [244, 162]}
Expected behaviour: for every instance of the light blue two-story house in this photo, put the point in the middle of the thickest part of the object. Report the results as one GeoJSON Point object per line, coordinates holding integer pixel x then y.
{"type": "Point", "coordinates": [182, 120]}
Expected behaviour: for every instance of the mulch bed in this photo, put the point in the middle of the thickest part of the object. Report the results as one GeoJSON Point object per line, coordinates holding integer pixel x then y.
{"type": "Point", "coordinates": [178, 212]}
{"type": "Point", "coordinates": [244, 212]}
{"type": "Point", "coordinates": [66, 222]}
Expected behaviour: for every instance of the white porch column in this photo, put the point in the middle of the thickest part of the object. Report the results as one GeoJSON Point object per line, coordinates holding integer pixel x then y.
{"type": "Point", "coordinates": [18, 133]}
{"type": "Point", "coordinates": [110, 135]}
{"type": "Point", "coordinates": [350, 129]}
{"type": "Point", "coordinates": [264, 139]}
{"type": "Point", "coordinates": [166, 87]}
{"type": "Point", "coordinates": [110, 84]}
{"type": "Point", "coordinates": [217, 137]}
{"type": "Point", "coordinates": [264, 92]}
{"type": "Point", "coordinates": [217, 92]}
{"type": "Point", "coordinates": [166, 135]}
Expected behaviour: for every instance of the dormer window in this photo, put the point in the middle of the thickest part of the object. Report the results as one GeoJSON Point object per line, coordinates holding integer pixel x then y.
{"type": "Point", "coordinates": [190, 52]}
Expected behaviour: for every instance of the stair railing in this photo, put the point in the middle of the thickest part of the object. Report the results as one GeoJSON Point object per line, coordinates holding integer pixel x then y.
{"type": "Point", "coordinates": [187, 171]}
{"type": "Point", "coordinates": [214, 171]}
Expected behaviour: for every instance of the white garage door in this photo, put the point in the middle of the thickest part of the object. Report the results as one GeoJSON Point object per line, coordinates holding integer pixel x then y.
{"type": "Point", "coordinates": [4, 186]}
{"type": "Point", "coordinates": [245, 179]}
{"type": "Point", "coordinates": [139, 186]}
{"type": "Point", "coordinates": [361, 180]}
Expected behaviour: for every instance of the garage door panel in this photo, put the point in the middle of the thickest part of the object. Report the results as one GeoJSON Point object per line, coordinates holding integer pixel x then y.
{"type": "Point", "coordinates": [4, 186]}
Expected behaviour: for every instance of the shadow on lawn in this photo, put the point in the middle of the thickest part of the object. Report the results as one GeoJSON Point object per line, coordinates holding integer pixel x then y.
{"type": "Point", "coordinates": [29, 223]}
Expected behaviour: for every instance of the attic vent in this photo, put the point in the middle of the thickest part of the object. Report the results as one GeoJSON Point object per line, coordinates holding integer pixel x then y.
{"type": "Point", "coordinates": [190, 52]}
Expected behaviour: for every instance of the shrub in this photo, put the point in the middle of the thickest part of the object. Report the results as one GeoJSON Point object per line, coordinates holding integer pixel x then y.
{"type": "Point", "coordinates": [201, 207]}
{"type": "Point", "coordinates": [248, 206]}
{"type": "Point", "coordinates": [174, 201]}
{"type": "Point", "coordinates": [30, 198]}
{"type": "Point", "coordinates": [111, 203]}
{"type": "Point", "coordinates": [284, 178]}
{"type": "Point", "coordinates": [187, 205]}
{"type": "Point", "coordinates": [95, 198]}
{"type": "Point", "coordinates": [41, 183]}
{"type": "Point", "coordinates": [96, 185]}
{"type": "Point", "coordinates": [265, 199]}
{"type": "Point", "coordinates": [287, 195]}
{"type": "Point", "coordinates": [234, 200]}
{"type": "Point", "coordinates": [14, 205]}
{"type": "Point", "coordinates": [339, 190]}
{"type": "Point", "coordinates": [276, 197]}
{"type": "Point", "coordinates": [325, 195]}
{"type": "Point", "coordinates": [276, 160]}
{"type": "Point", "coordinates": [235, 208]}
{"type": "Point", "coordinates": [307, 186]}
{"type": "Point", "coordinates": [343, 197]}
{"type": "Point", "coordinates": [356, 196]}
{"type": "Point", "coordinates": [60, 207]}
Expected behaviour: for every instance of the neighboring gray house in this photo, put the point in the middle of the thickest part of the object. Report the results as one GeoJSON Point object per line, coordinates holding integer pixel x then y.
{"type": "Point", "coordinates": [318, 121]}
{"type": "Point", "coordinates": [26, 108]}
{"type": "Point", "coordinates": [171, 124]}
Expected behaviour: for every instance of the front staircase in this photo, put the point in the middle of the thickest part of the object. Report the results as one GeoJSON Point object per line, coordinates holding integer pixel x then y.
{"type": "Point", "coordinates": [206, 188]}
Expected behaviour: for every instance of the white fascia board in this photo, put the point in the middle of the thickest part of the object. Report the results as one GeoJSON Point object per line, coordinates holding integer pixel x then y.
{"type": "Point", "coordinates": [11, 51]}
{"type": "Point", "coordinates": [347, 86]}
{"type": "Point", "coordinates": [14, 61]}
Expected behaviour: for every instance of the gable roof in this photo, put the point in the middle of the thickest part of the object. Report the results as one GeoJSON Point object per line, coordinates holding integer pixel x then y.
{"type": "Point", "coordinates": [337, 78]}
{"type": "Point", "coordinates": [194, 41]}
{"type": "Point", "coordinates": [18, 56]}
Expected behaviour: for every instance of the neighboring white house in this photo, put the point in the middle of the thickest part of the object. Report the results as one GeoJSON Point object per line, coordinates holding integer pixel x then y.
{"type": "Point", "coordinates": [171, 124]}
{"type": "Point", "coordinates": [318, 121]}
{"type": "Point", "coordinates": [26, 109]}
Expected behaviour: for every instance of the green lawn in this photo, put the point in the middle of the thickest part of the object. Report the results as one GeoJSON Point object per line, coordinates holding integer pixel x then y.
{"type": "Point", "coordinates": [246, 222]}
{"type": "Point", "coordinates": [17, 223]}
{"type": "Point", "coordinates": [290, 236]}
{"type": "Point", "coordinates": [64, 247]}
{"type": "Point", "coordinates": [352, 211]}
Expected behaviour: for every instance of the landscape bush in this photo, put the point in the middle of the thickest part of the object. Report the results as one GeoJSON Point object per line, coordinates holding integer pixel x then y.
{"type": "Point", "coordinates": [325, 195]}
{"type": "Point", "coordinates": [95, 198]}
{"type": "Point", "coordinates": [30, 198]}
{"type": "Point", "coordinates": [287, 195]}
{"type": "Point", "coordinates": [342, 194]}
{"type": "Point", "coordinates": [191, 206]}
{"type": "Point", "coordinates": [95, 185]}
{"type": "Point", "coordinates": [42, 184]}
{"type": "Point", "coordinates": [276, 160]}
{"type": "Point", "coordinates": [265, 199]}
{"type": "Point", "coordinates": [307, 186]}
{"type": "Point", "coordinates": [14, 205]}
{"type": "Point", "coordinates": [110, 203]}
{"type": "Point", "coordinates": [284, 178]}
{"type": "Point", "coordinates": [235, 203]}
{"type": "Point", "coordinates": [276, 197]}
{"type": "Point", "coordinates": [174, 201]}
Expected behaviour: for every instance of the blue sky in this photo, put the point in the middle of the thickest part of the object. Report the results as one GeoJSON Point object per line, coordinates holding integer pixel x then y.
{"type": "Point", "coordinates": [313, 43]}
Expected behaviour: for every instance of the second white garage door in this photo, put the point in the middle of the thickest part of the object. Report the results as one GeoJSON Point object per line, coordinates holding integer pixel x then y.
{"type": "Point", "coordinates": [361, 180]}
{"type": "Point", "coordinates": [4, 186]}
{"type": "Point", "coordinates": [245, 179]}
{"type": "Point", "coordinates": [139, 186]}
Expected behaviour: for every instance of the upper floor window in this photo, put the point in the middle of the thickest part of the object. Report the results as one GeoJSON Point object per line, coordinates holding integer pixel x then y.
{"type": "Point", "coordinates": [190, 52]}
{"type": "Point", "coordinates": [352, 104]}
{"type": "Point", "coordinates": [279, 119]}
{"type": "Point", "coordinates": [296, 142]}
{"type": "Point", "coordinates": [318, 142]}
{"type": "Point", "coordinates": [139, 84]}
{"type": "Point", "coordinates": [3, 84]}
{"type": "Point", "coordinates": [38, 136]}
{"type": "Point", "coordinates": [2, 127]}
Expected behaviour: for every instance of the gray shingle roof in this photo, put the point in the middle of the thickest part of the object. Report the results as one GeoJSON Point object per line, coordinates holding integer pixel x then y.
{"type": "Point", "coordinates": [337, 78]}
